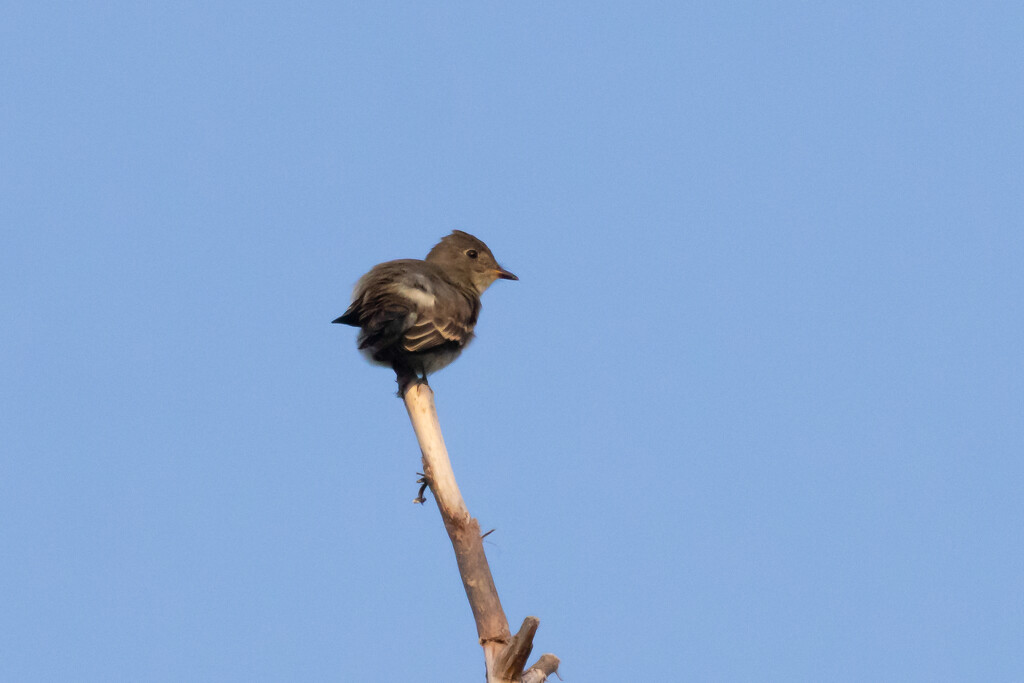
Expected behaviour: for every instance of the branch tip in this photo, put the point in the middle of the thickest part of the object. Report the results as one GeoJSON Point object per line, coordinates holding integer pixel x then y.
{"type": "Point", "coordinates": [512, 659]}
{"type": "Point", "coordinates": [542, 668]}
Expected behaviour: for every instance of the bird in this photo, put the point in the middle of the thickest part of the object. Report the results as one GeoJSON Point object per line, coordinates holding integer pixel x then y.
{"type": "Point", "coordinates": [416, 316]}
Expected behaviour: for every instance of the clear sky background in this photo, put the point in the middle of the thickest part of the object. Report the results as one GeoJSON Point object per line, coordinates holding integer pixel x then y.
{"type": "Point", "coordinates": [755, 410]}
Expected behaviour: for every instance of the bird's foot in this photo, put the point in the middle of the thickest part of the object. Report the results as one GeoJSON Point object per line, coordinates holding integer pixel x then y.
{"type": "Point", "coordinates": [404, 382]}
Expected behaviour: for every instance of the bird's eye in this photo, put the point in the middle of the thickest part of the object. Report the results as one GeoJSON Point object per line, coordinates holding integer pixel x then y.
{"type": "Point", "coordinates": [471, 253]}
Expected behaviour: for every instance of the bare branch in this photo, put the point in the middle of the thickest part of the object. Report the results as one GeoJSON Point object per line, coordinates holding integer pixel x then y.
{"type": "Point", "coordinates": [504, 656]}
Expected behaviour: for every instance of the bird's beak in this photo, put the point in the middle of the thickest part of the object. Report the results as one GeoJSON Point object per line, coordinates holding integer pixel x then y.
{"type": "Point", "coordinates": [504, 274]}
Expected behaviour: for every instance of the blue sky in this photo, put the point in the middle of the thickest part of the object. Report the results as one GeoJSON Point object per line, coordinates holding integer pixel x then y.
{"type": "Point", "coordinates": [754, 411]}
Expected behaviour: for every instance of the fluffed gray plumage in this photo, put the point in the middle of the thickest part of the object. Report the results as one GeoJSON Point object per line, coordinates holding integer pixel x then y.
{"type": "Point", "coordinates": [417, 316]}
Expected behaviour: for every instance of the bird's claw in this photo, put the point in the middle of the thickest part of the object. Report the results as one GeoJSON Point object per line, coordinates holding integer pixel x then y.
{"type": "Point", "coordinates": [406, 381]}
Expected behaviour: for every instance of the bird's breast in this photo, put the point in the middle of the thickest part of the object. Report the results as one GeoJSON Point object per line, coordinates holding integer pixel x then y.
{"type": "Point", "coordinates": [437, 358]}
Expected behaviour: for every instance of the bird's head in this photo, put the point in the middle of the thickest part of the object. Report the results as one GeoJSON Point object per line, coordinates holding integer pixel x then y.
{"type": "Point", "coordinates": [468, 259]}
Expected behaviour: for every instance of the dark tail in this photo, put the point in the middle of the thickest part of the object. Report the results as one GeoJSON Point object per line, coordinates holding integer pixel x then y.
{"type": "Point", "coordinates": [350, 317]}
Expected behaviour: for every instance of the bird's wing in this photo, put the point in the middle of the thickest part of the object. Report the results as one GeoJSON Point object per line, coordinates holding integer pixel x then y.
{"type": "Point", "coordinates": [398, 303]}
{"type": "Point", "coordinates": [430, 330]}
{"type": "Point", "coordinates": [444, 315]}
{"type": "Point", "coordinates": [380, 308]}
{"type": "Point", "coordinates": [385, 327]}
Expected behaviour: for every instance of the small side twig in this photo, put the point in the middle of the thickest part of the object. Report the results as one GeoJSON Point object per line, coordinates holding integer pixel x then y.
{"type": "Point", "coordinates": [422, 481]}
